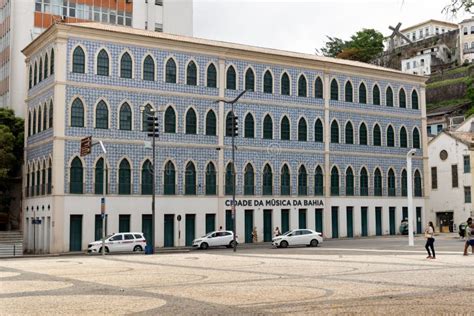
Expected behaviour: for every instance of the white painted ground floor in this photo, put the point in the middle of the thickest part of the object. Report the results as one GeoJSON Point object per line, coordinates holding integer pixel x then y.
{"type": "Point", "coordinates": [69, 223]}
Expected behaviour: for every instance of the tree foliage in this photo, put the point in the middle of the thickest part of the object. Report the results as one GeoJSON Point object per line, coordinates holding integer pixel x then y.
{"type": "Point", "coordinates": [455, 6]}
{"type": "Point", "coordinates": [11, 153]}
{"type": "Point", "coordinates": [363, 46]}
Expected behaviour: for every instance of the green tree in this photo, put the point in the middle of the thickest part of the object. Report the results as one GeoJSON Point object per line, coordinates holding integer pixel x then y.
{"type": "Point", "coordinates": [363, 46]}
{"type": "Point", "coordinates": [455, 6]}
{"type": "Point", "coordinates": [11, 153]}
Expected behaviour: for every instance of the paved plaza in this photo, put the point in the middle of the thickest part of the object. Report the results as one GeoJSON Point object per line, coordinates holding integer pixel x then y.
{"type": "Point", "coordinates": [372, 275]}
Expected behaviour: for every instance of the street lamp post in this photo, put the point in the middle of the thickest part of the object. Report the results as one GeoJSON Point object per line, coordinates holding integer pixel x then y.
{"type": "Point", "coordinates": [234, 221]}
{"type": "Point", "coordinates": [411, 241]}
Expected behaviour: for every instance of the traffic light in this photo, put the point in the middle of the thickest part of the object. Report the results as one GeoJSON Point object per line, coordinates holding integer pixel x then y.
{"type": "Point", "coordinates": [232, 121]}
{"type": "Point", "coordinates": [152, 126]}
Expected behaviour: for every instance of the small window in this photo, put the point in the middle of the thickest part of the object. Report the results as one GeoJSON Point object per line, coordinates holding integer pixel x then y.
{"type": "Point", "coordinates": [285, 129]}
{"type": "Point", "coordinates": [377, 141]}
{"type": "Point", "coordinates": [267, 127]}
{"type": "Point", "coordinates": [249, 80]}
{"type": "Point", "coordinates": [389, 97]}
{"type": "Point", "coordinates": [414, 100]}
{"type": "Point", "coordinates": [362, 93]}
{"type": "Point", "coordinates": [454, 176]}
{"type": "Point", "coordinates": [170, 71]}
{"type": "Point", "coordinates": [390, 137]}
{"type": "Point", "coordinates": [231, 82]}
{"type": "Point", "coordinates": [349, 92]}
{"type": "Point", "coordinates": [103, 63]}
{"type": "Point", "coordinates": [78, 60]}
{"type": "Point", "coordinates": [302, 130]}
{"type": "Point", "coordinates": [268, 82]}
{"type": "Point", "coordinates": [334, 132]}
{"type": "Point", "coordinates": [149, 69]}
{"type": "Point", "coordinates": [334, 90]}
{"type": "Point", "coordinates": [285, 84]}
{"type": "Point", "coordinates": [249, 129]}
{"type": "Point", "coordinates": [318, 88]}
{"type": "Point", "coordinates": [363, 134]}
{"type": "Point", "coordinates": [402, 100]}
{"type": "Point", "coordinates": [77, 114]}
{"type": "Point", "coordinates": [302, 86]}
{"type": "Point", "coordinates": [211, 76]}
{"type": "Point", "coordinates": [191, 74]}
{"type": "Point", "coordinates": [467, 194]}
{"type": "Point", "coordinates": [349, 133]}
{"type": "Point", "coordinates": [467, 164]}
{"type": "Point", "coordinates": [318, 131]}
{"type": "Point", "coordinates": [126, 66]}
{"type": "Point", "coordinates": [434, 177]}
{"type": "Point", "coordinates": [376, 95]}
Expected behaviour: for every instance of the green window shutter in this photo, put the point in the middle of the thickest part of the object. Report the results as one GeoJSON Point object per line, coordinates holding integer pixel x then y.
{"type": "Point", "coordinates": [402, 99]}
{"type": "Point", "coordinates": [125, 117]}
{"type": "Point", "coordinates": [102, 116]}
{"type": "Point", "coordinates": [377, 183]}
{"type": "Point", "coordinates": [334, 132]}
{"type": "Point", "coordinates": [334, 90]}
{"type": "Point", "coordinates": [349, 92]}
{"type": "Point", "coordinates": [76, 177]}
{"type": "Point", "coordinates": [302, 86]}
{"type": "Point", "coordinates": [349, 182]}
{"type": "Point", "coordinates": [190, 179]}
{"type": "Point", "coordinates": [249, 80]}
{"type": "Point", "coordinates": [334, 182]}
{"type": "Point", "coordinates": [267, 181]}
{"type": "Point", "coordinates": [302, 181]}
{"type": "Point", "coordinates": [231, 79]}
{"type": "Point", "coordinates": [389, 97]}
{"type": "Point", "coordinates": [169, 179]}
{"type": "Point", "coordinates": [211, 123]}
{"type": "Point", "coordinates": [268, 82]}
{"type": "Point", "coordinates": [318, 88]}
{"type": "Point", "coordinates": [211, 76]}
{"type": "Point", "coordinates": [267, 127]}
{"type": "Point", "coordinates": [390, 137]}
{"type": "Point", "coordinates": [285, 84]}
{"type": "Point", "coordinates": [148, 69]}
{"type": "Point", "coordinates": [376, 95]}
{"type": "Point", "coordinates": [170, 120]}
{"type": "Point", "coordinates": [124, 177]}
{"type": "Point", "coordinates": [285, 181]}
{"type": "Point", "coordinates": [191, 74]}
{"type": "Point", "coordinates": [211, 179]}
{"type": "Point", "coordinates": [147, 178]}
{"type": "Point", "coordinates": [364, 183]}
{"type": "Point", "coordinates": [285, 129]}
{"type": "Point", "coordinates": [377, 136]}
{"type": "Point", "coordinates": [249, 180]}
{"type": "Point", "coordinates": [302, 130]}
{"type": "Point", "coordinates": [126, 66]}
{"type": "Point", "coordinates": [249, 126]}
{"type": "Point", "coordinates": [103, 63]}
{"type": "Point", "coordinates": [403, 138]}
{"type": "Point", "coordinates": [349, 133]}
{"type": "Point", "coordinates": [362, 93]}
{"type": "Point", "coordinates": [318, 182]}
{"type": "Point", "coordinates": [170, 71]}
{"type": "Point", "coordinates": [191, 124]}
{"type": "Point", "coordinates": [318, 131]}
{"type": "Point", "coordinates": [414, 100]}
{"type": "Point", "coordinates": [78, 61]}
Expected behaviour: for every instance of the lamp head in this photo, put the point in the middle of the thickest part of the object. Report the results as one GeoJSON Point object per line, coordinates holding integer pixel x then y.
{"type": "Point", "coordinates": [411, 153]}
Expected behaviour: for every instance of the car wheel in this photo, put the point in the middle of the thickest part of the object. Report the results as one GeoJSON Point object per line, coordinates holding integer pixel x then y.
{"type": "Point", "coordinates": [137, 248]}
{"type": "Point", "coordinates": [106, 250]}
{"type": "Point", "coordinates": [204, 246]}
{"type": "Point", "coordinates": [231, 244]}
{"type": "Point", "coordinates": [314, 243]}
{"type": "Point", "coordinates": [284, 244]}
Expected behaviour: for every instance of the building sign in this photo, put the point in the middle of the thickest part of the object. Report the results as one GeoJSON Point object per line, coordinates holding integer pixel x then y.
{"type": "Point", "coordinates": [275, 202]}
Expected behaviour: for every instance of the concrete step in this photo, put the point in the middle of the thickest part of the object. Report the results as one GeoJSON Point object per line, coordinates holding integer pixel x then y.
{"type": "Point", "coordinates": [11, 250]}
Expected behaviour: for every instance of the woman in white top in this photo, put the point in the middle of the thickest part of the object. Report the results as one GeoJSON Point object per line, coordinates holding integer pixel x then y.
{"type": "Point", "coordinates": [429, 234]}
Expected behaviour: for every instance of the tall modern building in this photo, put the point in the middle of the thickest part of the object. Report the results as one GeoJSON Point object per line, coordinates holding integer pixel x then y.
{"type": "Point", "coordinates": [322, 142]}
{"type": "Point", "coordinates": [23, 20]}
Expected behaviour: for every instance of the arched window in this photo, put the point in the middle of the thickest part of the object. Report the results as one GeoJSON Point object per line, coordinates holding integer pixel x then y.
{"type": "Point", "coordinates": [334, 181]}
{"type": "Point", "coordinates": [404, 183]}
{"type": "Point", "coordinates": [334, 90]}
{"type": "Point", "coordinates": [231, 78]}
{"type": "Point", "coordinates": [285, 181]}
{"type": "Point", "coordinates": [103, 63]}
{"type": "Point", "coordinates": [318, 181]}
{"type": "Point", "coordinates": [349, 182]}
{"type": "Point", "coordinates": [249, 129]}
{"type": "Point", "coordinates": [364, 182]}
{"type": "Point", "coordinates": [126, 66]}
{"type": "Point", "coordinates": [40, 75]}
{"type": "Point", "coordinates": [39, 119]}
{"type": "Point", "coordinates": [362, 93]}
{"type": "Point", "coordinates": [45, 117]}
{"type": "Point", "coordinates": [390, 137]}
{"type": "Point", "coordinates": [38, 180]}
{"type": "Point", "coordinates": [376, 95]}
{"type": "Point", "coordinates": [349, 132]}
{"type": "Point", "coordinates": [403, 137]}
{"type": "Point", "coordinates": [267, 127]}
{"type": "Point", "coordinates": [46, 66]}
{"type": "Point", "coordinates": [147, 177]}
{"type": "Point", "coordinates": [302, 181]}
{"type": "Point", "coordinates": [170, 71]}
{"type": "Point", "coordinates": [102, 116]}
{"type": "Point", "coordinates": [148, 68]}
{"type": "Point", "coordinates": [414, 100]}
{"type": "Point", "coordinates": [78, 61]}
{"type": "Point", "coordinates": [302, 130]}
{"type": "Point", "coordinates": [51, 66]}
{"type": "Point", "coordinates": [362, 134]}
{"type": "Point", "coordinates": [147, 112]}
{"type": "Point", "coordinates": [211, 76]}
{"type": "Point", "coordinates": [35, 75]}
{"type": "Point", "coordinates": [249, 80]}
{"type": "Point", "coordinates": [389, 96]}
{"type": "Point", "coordinates": [228, 124]}
{"type": "Point", "coordinates": [169, 179]}
{"type": "Point", "coordinates": [76, 177]}
{"type": "Point", "coordinates": [334, 132]}
{"type": "Point", "coordinates": [285, 84]}
{"type": "Point", "coordinates": [191, 122]}
{"type": "Point", "coordinates": [77, 113]}
{"type": "Point", "coordinates": [34, 122]}
{"type": "Point", "coordinates": [416, 138]}
{"type": "Point", "coordinates": [318, 131]}
{"type": "Point", "coordinates": [170, 120]}
{"type": "Point", "coordinates": [125, 117]}
{"type": "Point", "coordinates": [51, 114]}
{"type": "Point", "coordinates": [402, 99]}
{"type": "Point", "coordinates": [268, 82]}
{"type": "Point", "coordinates": [249, 180]}
{"type": "Point", "coordinates": [191, 74]}
{"type": "Point", "coordinates": [349, 93]}
{"type": "Point", "coordinates": [211, 123]}
{"type": "Point", "coordinates": [229, 179]}
{"type": "Point", "coordinates": [318, 88]}
{"type": "Point", "coordinates": [267, 182]}
{"type": "Point", "coordinates": [99, 177]}
{"type": "Point", "coordinates": [377, 182]}
{"type": "Point", "coordinates": [50, 176]}
{"type": "Point", "coordinates": [43, 179]}
{"type": "Point", "coordinates": [285, 128]}
{"type": "Point", "coordinates": [377, 136]}
{"type": "Point", "coordinates": [211, 187]}
{"type": "Point", "coordinates": [417, 179]}
{"type": "Point", "coordinates": [30, 78]}
{"type": "Point", "coordinates": [125, 177]}
{"type": "Point", "coordinates": [302, 86]}
{"type": "Point", "coordinates": [29, 124]}
{"type": "Point", "coordinates": [190, 179]}
{"type": "Point", "coordinates": [391, 183]}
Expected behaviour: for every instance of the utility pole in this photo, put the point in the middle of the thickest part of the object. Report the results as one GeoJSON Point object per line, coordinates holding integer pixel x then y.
{"type": "Point", "coordinates": [233, 132]}
{"type": "Point", "coordinates": [411, 241]}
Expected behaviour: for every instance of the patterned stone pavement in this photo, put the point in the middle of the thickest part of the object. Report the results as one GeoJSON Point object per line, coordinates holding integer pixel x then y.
{"type": "Point", "coordinates": [338, 278]}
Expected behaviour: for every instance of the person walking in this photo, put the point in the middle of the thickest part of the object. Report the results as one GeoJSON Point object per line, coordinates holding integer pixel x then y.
{"type": "Point", "coordinates": [254, 235]}
{"type": "Point", "coordinates": [469, 238]}
{"type": "Point", "coordinates": [276, 232]}
{"type": "Point", "coordinates": [429, 235]}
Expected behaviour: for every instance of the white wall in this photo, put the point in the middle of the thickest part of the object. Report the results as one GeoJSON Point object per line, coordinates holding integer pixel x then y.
{"type": "Point", "coordinates": [178, 17]}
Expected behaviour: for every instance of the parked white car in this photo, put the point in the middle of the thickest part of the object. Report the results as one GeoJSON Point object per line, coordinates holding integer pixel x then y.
{"type": "Point", "coordinates": [298, 237]}
{"type": "Point", "coordinates": [215, 239]}
{"type": "Point", "coordinates": [119, 242]}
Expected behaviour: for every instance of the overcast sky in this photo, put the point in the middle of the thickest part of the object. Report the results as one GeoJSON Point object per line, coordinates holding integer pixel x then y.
{"type": "Point", "coordinates": [302, 25]}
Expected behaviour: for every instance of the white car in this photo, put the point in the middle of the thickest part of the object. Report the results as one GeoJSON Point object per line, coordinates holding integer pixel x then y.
{"type": "Point", "coordinates": [119, 242]}
{"type": "Point", "coordinates": [298, 237]}
{"type": "Point", "coordinates": [215, 239]}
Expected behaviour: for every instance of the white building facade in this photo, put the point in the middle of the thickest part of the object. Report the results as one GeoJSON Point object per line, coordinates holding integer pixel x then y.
{"type": "Point", "coordinates": [423, 31]}
{"type": "Point", "coordinates": [23, 20]}
{"type": "Point", "coordinates": [421, 63]}
{"type": "Point", "coordinates": [322, 142]}
{"type": "Point", "coordinates": [466, 40]}
{"type": "Point", "coordinates": [451, 155]}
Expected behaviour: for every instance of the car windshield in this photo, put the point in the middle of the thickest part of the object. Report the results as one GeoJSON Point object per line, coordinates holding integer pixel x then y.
{"type": "Point", "coordinates": [288, 232]}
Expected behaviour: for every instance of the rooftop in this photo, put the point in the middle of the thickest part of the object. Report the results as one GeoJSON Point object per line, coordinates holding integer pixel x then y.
{"type": "Point", "coordinates": [431, 21]}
